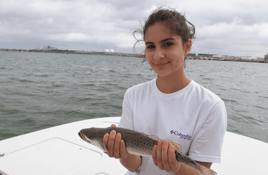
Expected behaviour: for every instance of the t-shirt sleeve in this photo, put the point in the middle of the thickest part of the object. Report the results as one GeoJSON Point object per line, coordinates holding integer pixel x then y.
{"type": "Point", "coordinates": [207, 143]}
{"type": "Point", "coordinates": [127, 113]}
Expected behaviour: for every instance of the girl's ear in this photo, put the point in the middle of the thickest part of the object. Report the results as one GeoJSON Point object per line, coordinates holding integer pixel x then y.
{"type": "Point", "coordinates": [188, 46]}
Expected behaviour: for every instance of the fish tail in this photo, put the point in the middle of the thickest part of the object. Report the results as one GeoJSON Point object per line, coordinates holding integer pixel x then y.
{"type": "Point", "coordinates": [205, 171]}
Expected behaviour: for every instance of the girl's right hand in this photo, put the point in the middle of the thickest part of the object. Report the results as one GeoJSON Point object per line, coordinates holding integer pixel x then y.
{"type": "Point", "coordinates": [115, 145]}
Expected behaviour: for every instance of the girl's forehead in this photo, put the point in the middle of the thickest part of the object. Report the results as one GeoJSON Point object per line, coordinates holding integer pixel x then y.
{"type": "Point", "coordinates": [158, 27]}
{"type": "Point", "coordinates": [159, 32]}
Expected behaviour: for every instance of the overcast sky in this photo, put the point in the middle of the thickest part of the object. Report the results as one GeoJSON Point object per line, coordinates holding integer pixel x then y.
{"type": "Point", "coordinates": [227, 27]}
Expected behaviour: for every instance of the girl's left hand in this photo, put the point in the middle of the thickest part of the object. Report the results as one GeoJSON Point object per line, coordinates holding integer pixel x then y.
{"type": "Point", "coordinates": [164, 156]}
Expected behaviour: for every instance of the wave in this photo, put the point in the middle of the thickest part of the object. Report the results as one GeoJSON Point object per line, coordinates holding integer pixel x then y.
{"type": "Point", "coordinates": [22, 80]}
{"type": "Point", "coordinates": [42, 75]}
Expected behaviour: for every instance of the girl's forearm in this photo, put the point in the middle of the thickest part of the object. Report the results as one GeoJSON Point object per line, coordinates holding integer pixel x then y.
{"type": "Point", "coordinates": [131, 162]}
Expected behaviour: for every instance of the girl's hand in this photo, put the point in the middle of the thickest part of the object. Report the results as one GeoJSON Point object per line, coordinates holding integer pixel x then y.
{"type": "Point", "coordinates": [164, 156]}
{"type": "Point", "coordinates": [115, 145]}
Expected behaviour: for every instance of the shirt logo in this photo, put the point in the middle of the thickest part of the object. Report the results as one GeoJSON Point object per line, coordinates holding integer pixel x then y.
{"type": "Point", "coordinates": [182, 136]}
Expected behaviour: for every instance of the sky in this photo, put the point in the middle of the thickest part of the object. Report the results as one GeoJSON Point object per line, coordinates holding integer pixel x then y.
{"type": "Point", "coordinates": [225, 27]}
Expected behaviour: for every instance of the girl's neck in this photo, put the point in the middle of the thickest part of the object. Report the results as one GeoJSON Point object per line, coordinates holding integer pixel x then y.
{"type": "Point", "coordinates": [172, 84]}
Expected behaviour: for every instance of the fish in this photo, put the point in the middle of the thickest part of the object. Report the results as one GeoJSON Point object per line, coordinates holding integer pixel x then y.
{"type": "Point", "coordinates": [138, 143]}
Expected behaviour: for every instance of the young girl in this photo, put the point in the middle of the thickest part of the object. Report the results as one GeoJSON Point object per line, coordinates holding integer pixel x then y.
{"type": "Point", "coordinates": [171, 107]}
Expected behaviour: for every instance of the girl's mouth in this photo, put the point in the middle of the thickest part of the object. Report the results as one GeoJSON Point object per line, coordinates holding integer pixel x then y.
{"type": "Point", "coordinates": [161, 65]}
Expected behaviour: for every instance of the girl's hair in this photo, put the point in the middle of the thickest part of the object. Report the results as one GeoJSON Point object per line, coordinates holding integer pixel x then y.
{"type": "Point", "coordinates": [173, 20]}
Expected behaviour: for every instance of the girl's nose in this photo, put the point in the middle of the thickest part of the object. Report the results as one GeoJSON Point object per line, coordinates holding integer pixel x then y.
{"type": "Point", "coordinates": [159, 54]}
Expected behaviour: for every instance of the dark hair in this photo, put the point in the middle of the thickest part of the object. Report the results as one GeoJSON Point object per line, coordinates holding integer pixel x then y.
{"type": "Point", "coordinates": [172, 20]}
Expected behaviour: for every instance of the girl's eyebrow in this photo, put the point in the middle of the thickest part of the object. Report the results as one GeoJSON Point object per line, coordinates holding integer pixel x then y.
{"type": "Point", "coordinates": [160, 41]}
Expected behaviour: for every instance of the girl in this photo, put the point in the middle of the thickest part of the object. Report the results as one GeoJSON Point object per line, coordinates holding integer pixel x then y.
{"type": "Point", "coordinates": [171, 107]}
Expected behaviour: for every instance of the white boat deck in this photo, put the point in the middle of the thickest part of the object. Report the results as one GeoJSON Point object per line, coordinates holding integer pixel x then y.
{"type": "Point", "coordinates": [60, 151]}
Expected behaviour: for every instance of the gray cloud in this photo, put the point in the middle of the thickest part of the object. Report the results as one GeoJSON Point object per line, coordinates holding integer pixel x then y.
{"type": "Point", "coordinates": [225, 27]}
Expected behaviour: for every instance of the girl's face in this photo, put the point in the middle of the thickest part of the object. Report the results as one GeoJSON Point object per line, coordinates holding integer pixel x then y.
{"type": "Point", "coordinates": [165, 52]}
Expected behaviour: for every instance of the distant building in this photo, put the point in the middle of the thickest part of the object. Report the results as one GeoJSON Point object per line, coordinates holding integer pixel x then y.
{"type": "Point", "coordinates": [49, 48]}
{"type": "Point", "coordinates": [266, 58]}
{"type": "Point", "coordinates": [191, 54]}
{"type": "Point", "coordinates": [260, 59]}
{"type": "Point", "coordinates": [216, 56]}
{"type": "Point", "coordinates": [205, 55]}
{"type": "Point", "coordinates": [246, 57]}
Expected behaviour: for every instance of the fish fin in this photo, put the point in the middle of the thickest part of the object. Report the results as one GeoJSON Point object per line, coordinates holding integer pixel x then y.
{"type": "Point", "coordinates": [103, 147]}
{"type": "Point", "coordinates": [154, 137]}
{"type": "Point", "coordinates": [205, 171]}
{"type": "Point", "coordinates": [177, 146]}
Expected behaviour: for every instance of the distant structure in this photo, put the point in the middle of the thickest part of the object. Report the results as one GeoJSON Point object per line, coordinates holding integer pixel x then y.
{"type": "Point", "coordinates": [205, 55]}
{"type": "Point", "coordinates": [216, 56]}
{"type": "Point", "coordinates": [266, 58]}
{"type": "Point", "coordinates": [49, 48]}
{"type": "Point", "coordinates": [37, 48]}
{"type": "Point", "coordinates": [108, 50]}
{"type": "Point", "coordinates": [246, 57]}
{"type": "Point", "coordinates": [191, 54]}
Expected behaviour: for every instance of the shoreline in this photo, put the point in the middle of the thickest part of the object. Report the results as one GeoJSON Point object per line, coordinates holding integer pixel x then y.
{"type": "Point", "coordinates": [188, 57]}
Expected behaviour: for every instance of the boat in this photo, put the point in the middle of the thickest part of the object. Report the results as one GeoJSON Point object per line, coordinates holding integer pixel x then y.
{"type": "Point", "coordinates": [60, 151]}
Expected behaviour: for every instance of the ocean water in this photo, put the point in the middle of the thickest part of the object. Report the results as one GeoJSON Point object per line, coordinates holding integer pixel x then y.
{"type": "Point", "coordinates": [41, 90]}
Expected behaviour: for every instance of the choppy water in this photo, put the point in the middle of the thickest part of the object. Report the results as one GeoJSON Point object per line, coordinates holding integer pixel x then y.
{"type": "Point", "coordinates": [40, 90]}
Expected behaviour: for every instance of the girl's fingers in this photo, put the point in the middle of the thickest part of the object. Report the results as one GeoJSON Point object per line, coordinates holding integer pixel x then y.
{"type": "Point", "coordinates": [165, 160]}
{"type": "Point", "coordinates": [154, 155]}
{"type": "Point", "coordinates": [111, 143]}
{"type": "Point", "coordinates": [123, 151]}
{"type": "Point", "coordinates": [174, 164]}
{"type": "Point", "coordinates": [117, 146]}
{"type": "Point", "coordinates": [159, 155]}
{"type": "Point", "coordinates": [105, 140]}
{"type": "Point", "coordinates": [164, 156]}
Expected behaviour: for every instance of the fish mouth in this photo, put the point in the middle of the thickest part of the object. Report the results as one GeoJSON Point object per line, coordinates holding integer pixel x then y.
{"type": "Point", "coordinates": [84, 137]}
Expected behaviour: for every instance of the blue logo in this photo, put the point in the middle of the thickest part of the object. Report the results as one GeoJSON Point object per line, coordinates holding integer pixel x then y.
{"type": "Point", "coordinates": [182, 136]}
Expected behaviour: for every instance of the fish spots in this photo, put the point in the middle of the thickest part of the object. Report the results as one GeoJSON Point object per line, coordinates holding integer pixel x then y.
{"type": "Point", "coordinates": [2, 155]}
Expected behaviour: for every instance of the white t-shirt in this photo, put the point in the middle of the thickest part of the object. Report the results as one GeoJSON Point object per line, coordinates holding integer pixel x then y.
{"type": "Point", "coordinates": [194, 117]}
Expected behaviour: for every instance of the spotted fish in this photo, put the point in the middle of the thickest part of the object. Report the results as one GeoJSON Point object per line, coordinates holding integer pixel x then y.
{"type": "Point", "coordinates": [139, 144]}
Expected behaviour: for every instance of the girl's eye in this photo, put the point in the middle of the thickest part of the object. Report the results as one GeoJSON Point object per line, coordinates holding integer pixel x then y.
{"type": "Point", "coordinates": [168, 44]}
{"type": "Point", "coordinates": [150, 47]}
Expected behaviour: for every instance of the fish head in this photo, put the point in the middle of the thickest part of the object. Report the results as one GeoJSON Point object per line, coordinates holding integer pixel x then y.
{"type": "Point", "coordinates": [86, 136]}
{"type": "Point", "coordinates": [92, 136]}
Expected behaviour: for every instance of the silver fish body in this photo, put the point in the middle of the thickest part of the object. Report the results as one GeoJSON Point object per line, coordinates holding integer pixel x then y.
{"type": "Point", "coordinates": [139, 144]}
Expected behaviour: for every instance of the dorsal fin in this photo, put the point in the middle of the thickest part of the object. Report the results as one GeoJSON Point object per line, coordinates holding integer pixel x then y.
{"type": "Point", "coordinates": [154, 137]}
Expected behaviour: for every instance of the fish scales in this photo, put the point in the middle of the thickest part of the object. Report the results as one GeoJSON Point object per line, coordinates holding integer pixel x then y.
{"type": "Point", "coordinates": [135, 142]}
{"type": "Point", "coordinates": [139, 144]}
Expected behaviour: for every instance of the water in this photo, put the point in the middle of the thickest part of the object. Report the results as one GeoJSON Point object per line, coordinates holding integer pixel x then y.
{"type": "Point", "coordinates": [41, 90]}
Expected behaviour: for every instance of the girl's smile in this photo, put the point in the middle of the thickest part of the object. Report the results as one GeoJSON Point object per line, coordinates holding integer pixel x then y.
{"type": "Point", "coordinates": [161, 65]}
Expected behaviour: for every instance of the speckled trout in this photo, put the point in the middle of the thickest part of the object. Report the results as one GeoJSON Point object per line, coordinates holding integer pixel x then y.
{"type": "Point", "coordinates": [139, 144]}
